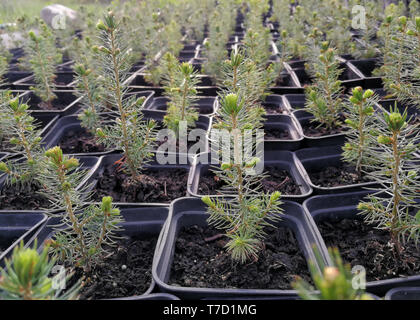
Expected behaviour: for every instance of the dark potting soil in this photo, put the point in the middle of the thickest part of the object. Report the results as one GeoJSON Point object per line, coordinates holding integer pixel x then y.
{"type": "Point", "coordinates": [207, 264]}
{"type": "Point", "coordinates": [311, 129]}
{"type": "Point", "coordinates": [56, 105]}
{"type": "Point", "coordinates": [128, 272]}
{"type": "Point", "coordinates": [337, 176]}
{"type": "Point", "coordinates": [273, 108]}
{"type": "Point", "coordinates": [75, 141]}
{"type": "Point", "coordinates": [277, 134]}
{"type": "Point", "coordinates": [5, 243]}
{"type": "Point", "coordinates": [157, 185]}
{"type": "Point", "coordinates": [362, 244]}
{"type": "Point", "coordinates": [22, 197]}
{"type": "Point", "coordinates": [277, 180]}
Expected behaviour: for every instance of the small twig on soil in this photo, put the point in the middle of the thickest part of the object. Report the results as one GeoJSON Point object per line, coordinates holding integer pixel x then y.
{"type": "Point", "coordinates": [284, 181]}
{"type": "Point", "coordinates": [164, 185]}
{"type": "Point", "coordinates": [214, 238]}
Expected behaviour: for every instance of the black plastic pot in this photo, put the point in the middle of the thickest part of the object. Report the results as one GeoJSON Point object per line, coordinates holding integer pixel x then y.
{"type": "Point", "coordinates": [140, 221]}
{"type": "Point", "coordinates": [274, 104]}
{"type": "Point", "coordinates": [64, 125]}
{"type": "Point", "coordinates": [364, 67]}
{"type": "Point", "coordinates": [284, 160]}
{"type": "Point", "coordinates": [403, 294]}
{"type": "Point", "coordinates": [136, 82]}
{"type": "Point", "coordinates": [349, 78]}
{"type": "Point", "coordinates": [205, 105]}
{"type": "Point", "coordinates": [294, 102]}
{"type": "Point", "coordinates": [186, 212]}
{"type": "Point", "coordinates": [183, 161]}
{"type": "Point", "coordinates": [90, 164]}
{"type": "Point", "coordinates": [16, 227]}
{"type": "Point", "coordinates": [316, 159]}
{"type": "Point", "coordinates": [336, 207]}
{"type": "Point", "coordinates": [282, 123]}
{"type": "Point", "coordinates": [63, 81]}
{"type": "Point", "coordinates": [3, 156]}
{"type": "Point", "coordinates": [13, 75]}
{"type": "Point", "coordinates": [303, 118]}
{"type": "Point", "coordinates": [186, 55]}
{"type": "Point", "coordinates": [65, 98]}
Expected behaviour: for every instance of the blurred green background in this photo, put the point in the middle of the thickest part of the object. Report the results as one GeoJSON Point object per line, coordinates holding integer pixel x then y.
{"type": "Point", "coordinates": [12, 9]}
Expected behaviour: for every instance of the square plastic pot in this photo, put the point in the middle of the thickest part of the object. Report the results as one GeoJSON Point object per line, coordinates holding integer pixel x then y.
{"type": "Point", "coordinates": [90, 164]}
{"type": "Point", "coordinates": [68, 123]}
{"type": "Point", "coordinates": [364, 67]}
{"type": "Point", "coordinates": [140, 221]}
{"type": "Point", "coordinates": [16, 227]}
{"type": "Point", "coordinates": [67, 98]}
{"type": "Point", "coordinates": [183, 161]}
{"type": "Point", "coordinates": [294, 102]}
{"type": "Point", "coordinates": [349, 78]}
{"type": "Point", "coordinates": [206, 105]}
{"type": "Point", "coordinates": [63, 81]}
{"type": "Point", "coordinates": [274, 104]}
{"type": "Point", "coordinates": [403, 294]}
{"type": "Point", "coordinates": [315, 159]}
{"type": "Point", "coordinates": [344, 206]}
{"type": "Point", "coordinates": [282, 123]}
{"type": "Point", "coordinates": [284, 160]}
{"type": "Point", "coordinates": [187, 212]}
{"type": "Point", "coordinates": [303, 118]}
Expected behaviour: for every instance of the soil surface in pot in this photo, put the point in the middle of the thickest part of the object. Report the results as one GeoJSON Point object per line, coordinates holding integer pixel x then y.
{"type": "Point", "coordinates": [277, 134]}
{"type": "Point", "coordinates": [337, 176]}
{"type": "Point", "coordinates": [199, 262]}
{"type": "Point", "coordinates": [274, 108]}
{"type": "Point", "coordinates": [362, 244]}
{"type": "Point", "coordinates": [128, 272]}
{"type": "Point", "coordinates": [55, 105]}
{"type": "Point", "coordinates": [311, 129]}
{"type": "Point", "coordinates": [76, 141]}
{"type": "Point", "coordinates": [277, 180]}
{"type": "Point", "coordinates": [157, 185]}
{"type": "Point", "coordinates": [22, 197]}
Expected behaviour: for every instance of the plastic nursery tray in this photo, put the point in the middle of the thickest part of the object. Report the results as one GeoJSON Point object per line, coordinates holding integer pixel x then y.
{"type": "Point", "coordinates": [17, 226]}
{"type": "Point", "coordinates": [405, 293]}
{"type": "Point", "coordinates": [63, 81]}
{"type": "Point", "coordinates": [141, 221]}
{"type": "Point", "coordinates": [316, 159]}
{"type": "Point", "coordinates": [283, 123]}
{"type": "Point", "coordinates": [67, 98]}
{"type": "Point", "coordinates": [285, 160]}
{"type": "Point", "coordinates": [186, 212]}
{"type": "Point", "coordinates": [344, 206]}
{"type": "Point", "coordinates": [205, 105]}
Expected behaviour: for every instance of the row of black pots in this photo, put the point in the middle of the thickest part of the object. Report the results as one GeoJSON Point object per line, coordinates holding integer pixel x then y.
{"type": "Point", "coordinates": [295, 169]}
{"type": "Point", "coordinates": [145, 221]}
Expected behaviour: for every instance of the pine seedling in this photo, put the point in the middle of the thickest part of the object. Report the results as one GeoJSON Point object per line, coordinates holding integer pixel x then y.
{"type": "Point", "coordinates": [395, 169]}
{"type": "Point", "coordinates": [27, 277]}
{"type": "Point", "coordinates": [401, 63]}
{"type": "Point", "coordinates": [359, 117]}
{"type": "Point", "coordinates": [283, 47]}
{"type": "Point", "coordinates": [83, 233]}
{"type": "Point", "coordinates": [324, 96]}
{"type": "Point", "coordinates": [42, 55]}
{"type": "Point", "coordinates": [24, 139]}
{"type": "Point", "coordinates": [89, 89]}
{"type": "Point", "coordinates": [244, 216]}
{"type": "Point", "coordinates": [414, 8]}
{"type": "Point", "coordinates": [242, 77]}
{"type": "Point", "coordinates": [128, 132]}
{"type": "Point", "coordinates": [4, 66]}
{"type": "Point", "coordinates": [332, 282]}
{"type": "Point", "coordinates": [182, 97]}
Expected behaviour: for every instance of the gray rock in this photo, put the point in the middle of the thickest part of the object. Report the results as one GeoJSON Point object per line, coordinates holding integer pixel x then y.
{"type": "Point", "coordinates": [58, 16]}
